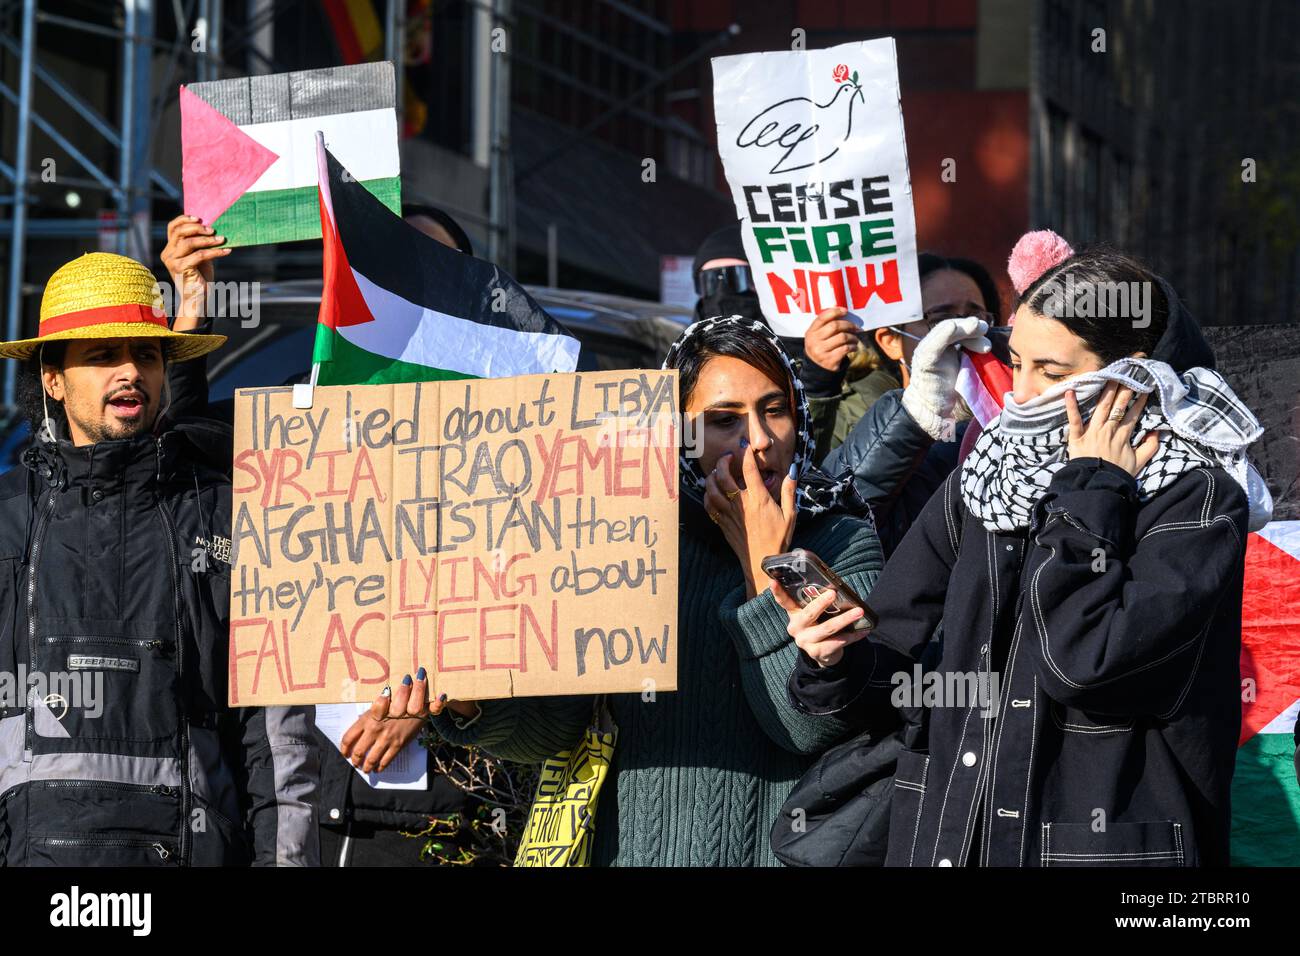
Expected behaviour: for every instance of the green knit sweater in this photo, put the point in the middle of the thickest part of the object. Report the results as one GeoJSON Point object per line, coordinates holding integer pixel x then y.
{"type": "Point", "coordinates": [700, 773]}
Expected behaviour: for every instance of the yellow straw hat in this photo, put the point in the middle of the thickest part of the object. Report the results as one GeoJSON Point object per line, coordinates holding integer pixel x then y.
{"type": "Point", "coordinates": [104, 296]}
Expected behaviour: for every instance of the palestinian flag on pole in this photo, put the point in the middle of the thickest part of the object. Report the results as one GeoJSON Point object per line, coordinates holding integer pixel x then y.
{"type": "Point", "coordinates": [398, 306]}
{"type": "Point", "coordinates": [248, 147]}
{"type": "Point", "coordinates": [1265, 792]}
{"type": "Point", "coordinates": [982, 381]}
{"type": "Point", "coordinates": [1262, 364]}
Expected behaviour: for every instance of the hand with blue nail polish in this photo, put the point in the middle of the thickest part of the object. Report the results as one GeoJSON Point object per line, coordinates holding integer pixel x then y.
{"type": "Point", "coordinates": [374, 740]}
{"type": "Point", "coordinates": [411, 701]}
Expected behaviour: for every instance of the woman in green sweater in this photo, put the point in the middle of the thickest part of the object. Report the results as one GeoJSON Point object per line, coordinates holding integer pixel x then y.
{"type": "Point", "coordinates": [699, 774]}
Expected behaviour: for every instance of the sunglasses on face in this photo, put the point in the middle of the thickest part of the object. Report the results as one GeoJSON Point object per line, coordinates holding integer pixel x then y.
{"type": "Point", "coordinates": [734, 279]}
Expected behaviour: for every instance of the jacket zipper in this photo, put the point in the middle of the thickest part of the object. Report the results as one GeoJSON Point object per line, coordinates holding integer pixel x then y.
{"type": "Point", "coordinates": [158, 788]}
{"type": "Point", "coordinates": [152, 645]}
{"type": "Point", "coordinates": [30, 723]}
{"type": "Point", "coordinates": [164, 851]}
{"type": "Point", "coordinates": [169, 530]}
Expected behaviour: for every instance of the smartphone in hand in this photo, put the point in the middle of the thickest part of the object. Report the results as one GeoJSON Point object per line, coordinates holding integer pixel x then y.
{"type": "Point", "coordinates": [805, 576]}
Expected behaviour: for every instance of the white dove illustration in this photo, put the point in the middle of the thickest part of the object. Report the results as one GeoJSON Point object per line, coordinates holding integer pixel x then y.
{"type": "Point", "coordinates": [781, 126]}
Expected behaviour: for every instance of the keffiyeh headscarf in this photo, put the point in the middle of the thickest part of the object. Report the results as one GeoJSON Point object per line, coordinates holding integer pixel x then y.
{"type": "Point", "coordinates": [1202, 424]}
{"type": "Point", "coordinates": [817, 491]}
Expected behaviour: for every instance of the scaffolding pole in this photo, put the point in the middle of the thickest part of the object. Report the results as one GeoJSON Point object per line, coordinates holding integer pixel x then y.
{"type": "Point", "coordinates": [137, 77]}
{"type": "Point", "coordinates": [17, 242]}
{"type": "Point", "coordinates": [395, 50]}
{"type": "Point", "coordinates": [500, 171]}
{"type": "Point", "coordinates": [132, 189]}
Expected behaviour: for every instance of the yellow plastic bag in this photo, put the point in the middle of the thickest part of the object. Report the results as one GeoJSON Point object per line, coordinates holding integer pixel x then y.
{"type": "Point", "coordinates": [562, 820]}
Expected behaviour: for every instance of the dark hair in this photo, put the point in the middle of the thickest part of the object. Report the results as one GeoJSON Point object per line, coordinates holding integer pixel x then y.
{"type": "Point", "coordinates": [453, 228]}
{"type": "Point", "coordinates": [734, 341]}
{"type": "Point", "coordinates": [1107, 328]}
{"type": "Point", "coordinates": [31, 387]}
{"type": "Point", "coordinates": [928, 262]}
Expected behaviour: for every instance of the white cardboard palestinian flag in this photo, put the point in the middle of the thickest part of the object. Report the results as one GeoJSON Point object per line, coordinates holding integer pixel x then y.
{"type": "Point", "coordinates": [248, 147]}
{"type": "Point", "coordinates": [398, 306]}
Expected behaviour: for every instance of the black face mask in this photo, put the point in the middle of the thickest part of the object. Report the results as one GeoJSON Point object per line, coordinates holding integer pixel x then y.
{"type": "Point", "coordinates": [725, 302]}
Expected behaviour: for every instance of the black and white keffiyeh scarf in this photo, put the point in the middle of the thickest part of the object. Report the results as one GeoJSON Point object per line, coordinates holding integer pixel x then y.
{"type": "Point", "coordinates": [1203, 425]}
{"type": "Point", "coordinates": [817, 491]}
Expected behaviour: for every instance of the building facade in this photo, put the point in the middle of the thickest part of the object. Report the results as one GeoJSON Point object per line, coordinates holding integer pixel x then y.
{"type": "Point", "coordinates": [1166, 128]}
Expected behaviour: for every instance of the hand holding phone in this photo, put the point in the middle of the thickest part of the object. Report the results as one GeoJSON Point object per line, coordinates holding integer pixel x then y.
{"type": "Point", "coordinates": [805, 578]}
{"type": "Point", "coordinates": [811, 595]}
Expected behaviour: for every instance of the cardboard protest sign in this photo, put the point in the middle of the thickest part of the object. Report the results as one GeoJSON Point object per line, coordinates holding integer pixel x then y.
{"type": "Point", "coordinates": [514, 536]}
{"type": "Point", "coordinates": [248, 147]}
{"type": "Point", "coordinates": [812, 145]}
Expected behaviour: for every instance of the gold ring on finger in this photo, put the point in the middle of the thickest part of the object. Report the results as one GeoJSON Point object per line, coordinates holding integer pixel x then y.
{"type": "Point", "coordinates": [732, 494]}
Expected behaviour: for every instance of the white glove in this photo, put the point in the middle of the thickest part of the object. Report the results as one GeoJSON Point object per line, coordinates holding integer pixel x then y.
{"type": "Point", "coordinates": [931, 392]}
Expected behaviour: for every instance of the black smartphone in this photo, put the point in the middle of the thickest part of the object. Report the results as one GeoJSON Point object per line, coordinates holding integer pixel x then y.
{"type": "Point", "coordinates": [805, 576]}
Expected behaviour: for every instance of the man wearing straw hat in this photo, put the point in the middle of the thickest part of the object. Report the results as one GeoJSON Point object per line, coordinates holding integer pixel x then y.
{"type": "Point", "coordinates": [116, 744]}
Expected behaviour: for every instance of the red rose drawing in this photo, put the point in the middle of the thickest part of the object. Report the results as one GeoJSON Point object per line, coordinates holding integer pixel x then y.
{"type": "Point", "coordinates": [841, 73]}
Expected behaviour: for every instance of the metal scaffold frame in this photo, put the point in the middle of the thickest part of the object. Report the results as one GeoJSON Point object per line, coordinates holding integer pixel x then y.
{"type": "Point", "coordinates": [136, 182]}
{"type": "Point", "coordinates": [132, 187]}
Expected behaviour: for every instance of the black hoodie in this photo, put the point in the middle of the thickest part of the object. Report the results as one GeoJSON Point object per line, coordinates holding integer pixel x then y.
{"type": "Point", "coordinates": [1182, 346]}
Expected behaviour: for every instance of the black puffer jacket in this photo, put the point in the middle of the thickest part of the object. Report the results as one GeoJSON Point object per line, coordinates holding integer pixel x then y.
{"type": "Point", "coordinates": [114, 583]}
{"type": "Point", "coordinates": [1113, 627]}
{"type": "Point", "coordinates": [896, 466]}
